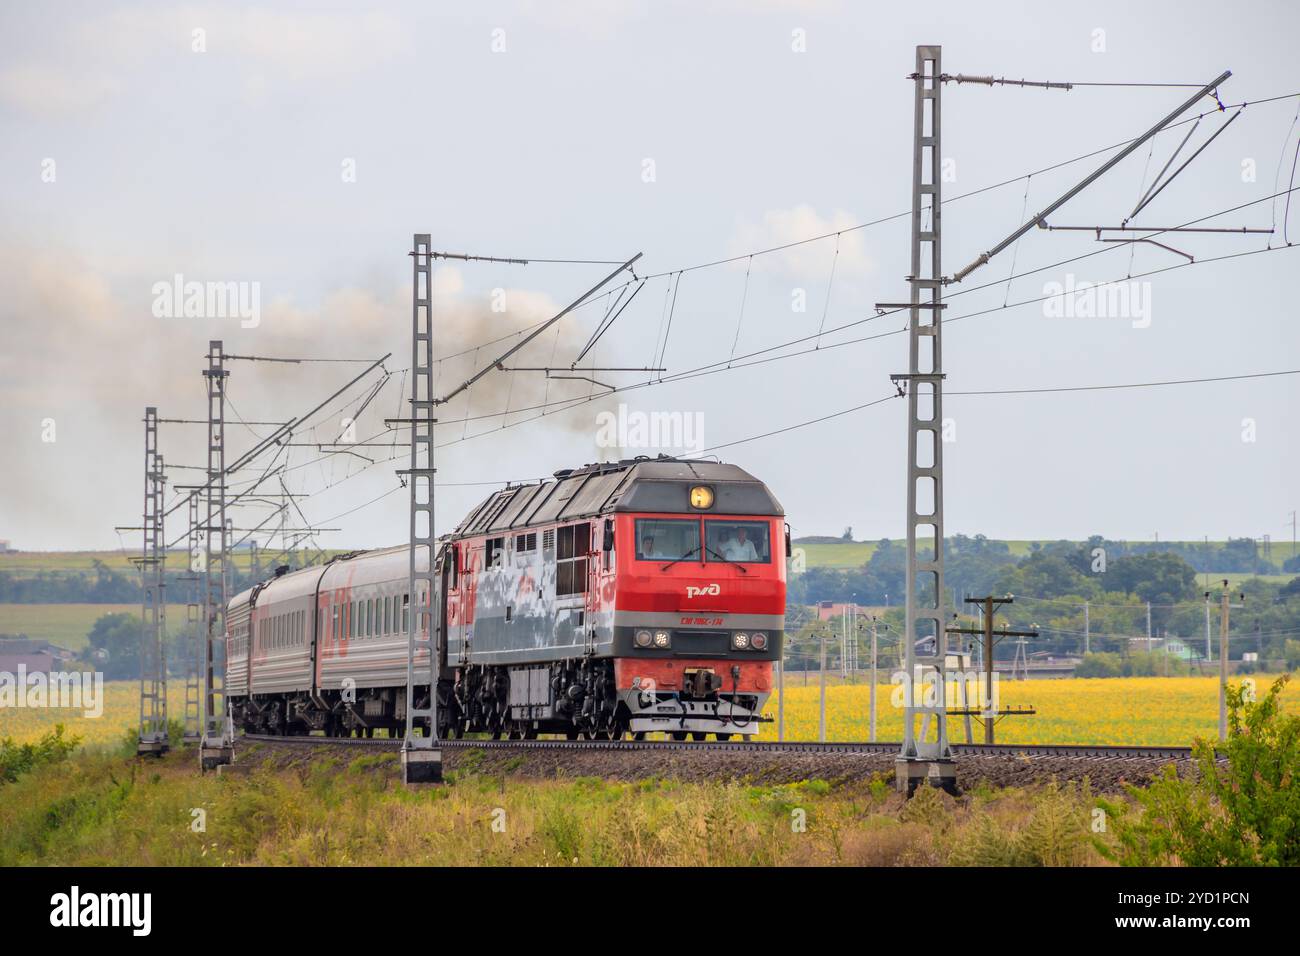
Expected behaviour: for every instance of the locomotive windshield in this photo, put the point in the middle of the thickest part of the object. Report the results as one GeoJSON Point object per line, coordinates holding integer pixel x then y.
{"type": "Point", "coordinates": [742, 541]}
{"type": "Point", "coordinates": [668, 539]}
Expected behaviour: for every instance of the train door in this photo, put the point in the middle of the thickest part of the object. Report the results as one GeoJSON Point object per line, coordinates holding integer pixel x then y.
{"type": "Point", "coordinates": [469, 568]}
{"type": "Point", "coordinates": [441, 598]}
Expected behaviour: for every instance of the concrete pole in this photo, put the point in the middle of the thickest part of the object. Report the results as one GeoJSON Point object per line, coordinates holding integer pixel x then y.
{"type": "Point", "coordinates": [821, 714]}
{"type": "Point", "coordinates": [989, 716]}
{"type": "Point", "coordinates": [1209, 648]}
{"type": "Point", "coordinates": [1223, 664]}
{"type": "Point", "coordinates": [1087, 630]}
{"type": "Point", "coordinates": [873, 680]}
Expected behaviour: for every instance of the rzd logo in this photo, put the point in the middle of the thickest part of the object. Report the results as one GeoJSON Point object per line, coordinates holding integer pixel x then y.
{"type": "Point", "coordinates": [709, 590]}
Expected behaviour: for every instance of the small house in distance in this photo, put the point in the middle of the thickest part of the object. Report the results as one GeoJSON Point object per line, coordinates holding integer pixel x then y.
{"type": "Point", "coordinates": [34, 655]}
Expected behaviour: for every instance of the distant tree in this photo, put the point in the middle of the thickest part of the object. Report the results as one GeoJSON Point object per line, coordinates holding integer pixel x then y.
{"type": "Point", "coordinates": [1099, 665]}
{"type": "Point", "coordinates": [115, 645]}
{"type": "Point", "coordinates": [1044, 575]}
{"type": "Point", "coordinates": [848, 533]}
{"type": "Point", "coordinates": [1155, 577]}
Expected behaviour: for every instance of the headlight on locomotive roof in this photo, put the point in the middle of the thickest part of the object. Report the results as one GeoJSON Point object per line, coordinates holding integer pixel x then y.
{"type": "Point", "coordinates": [740, 640]}
{"type": "Point", "coordinates": [661, 638]}
{"type": "Point", "coordinates": [759, 641]}
{"type": "Point", "coordinates": [643, 638]}
{"type": "Point", "coordinates": [701, 497]}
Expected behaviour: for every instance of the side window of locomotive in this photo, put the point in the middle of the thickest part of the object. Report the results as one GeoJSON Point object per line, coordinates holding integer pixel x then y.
{"type": "Point", "coordinates": [572, 542]}
{"type": "Point", "coordinates": [494, 554]}
{"type": "Point", "coordinates": [667, 539]}
{"type": "Point", "coordinates": [525, 547]}
{"type": "Point", "coordinates": [748, 542]}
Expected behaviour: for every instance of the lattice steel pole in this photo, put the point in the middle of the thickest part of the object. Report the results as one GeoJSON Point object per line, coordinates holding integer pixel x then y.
{"type": "Point", "coordinates": [194, 620]}
{"type": "Point", "coordinates": [927, 757]}
{"type": "Point", "coordinates": [152, 738]}
{"type": "Point", "coordinates": [217, 745]}
{"type": "Point", "coordinates": [421, 755]}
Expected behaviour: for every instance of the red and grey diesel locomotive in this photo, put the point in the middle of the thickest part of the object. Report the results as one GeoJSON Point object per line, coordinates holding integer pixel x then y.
{"type": "Point", "coordinates": [641, 596]}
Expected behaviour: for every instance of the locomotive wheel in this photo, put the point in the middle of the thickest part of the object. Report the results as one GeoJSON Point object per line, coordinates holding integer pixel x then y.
{"type": "Point", "coordinates": [698, 735]}
{"type": "Point", "coordinates": [723, 737]}
{"type": "Point", "coordinates": [679, 735]}
{"type": "Point", "coordinates": [571, 735]}
{"type": "Point", "coordinates": [639, 735]}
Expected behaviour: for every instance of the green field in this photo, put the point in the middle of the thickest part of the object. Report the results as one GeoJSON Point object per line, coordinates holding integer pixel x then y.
{"type": "Point", "coordinates": [67, 624]}
{"type": "Point", "coordinates": [853, 554]}
{"type": "Point", "coordinates": [26, 564]}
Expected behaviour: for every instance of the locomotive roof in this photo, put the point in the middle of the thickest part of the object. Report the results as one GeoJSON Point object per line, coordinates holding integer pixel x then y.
{"type": "Point", "coordinates": [655, 485]}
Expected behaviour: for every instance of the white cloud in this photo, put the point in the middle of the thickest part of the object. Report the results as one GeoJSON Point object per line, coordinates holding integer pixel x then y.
{"type": "Point", "coordinates": [89, 63]}
{"type": "Point", "coordinates": [809, 260]}
{"type": "Point", "coordinates": [46, 89]}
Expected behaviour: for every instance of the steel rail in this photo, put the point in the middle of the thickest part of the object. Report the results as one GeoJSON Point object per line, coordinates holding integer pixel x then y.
{"type": "Point", "coordinates": [1078, 751]}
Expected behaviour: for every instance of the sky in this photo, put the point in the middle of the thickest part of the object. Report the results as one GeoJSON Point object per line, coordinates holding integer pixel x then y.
{"type": "Point", "coordinates": [292, 151]}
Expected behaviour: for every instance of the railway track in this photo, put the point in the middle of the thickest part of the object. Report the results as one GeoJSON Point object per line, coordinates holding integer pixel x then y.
{"type": "Point", "coordinates": [1072, 751]}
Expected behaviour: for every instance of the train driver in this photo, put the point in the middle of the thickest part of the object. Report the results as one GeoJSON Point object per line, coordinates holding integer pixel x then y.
{"type": "Point", "coordinates": [648, 547]}
{"type": "Point", "coordinates": [740, 548]}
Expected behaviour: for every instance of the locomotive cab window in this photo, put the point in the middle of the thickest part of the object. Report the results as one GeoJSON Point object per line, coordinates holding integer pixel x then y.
{"type": "Point", "coordinates": [572, 542]}
{"type": "Point", "coordinates": [748, 542]}
{"type": "Point", "coordinates": [667, 539]}
{"type": "Point", "coordinates": [495, 553]}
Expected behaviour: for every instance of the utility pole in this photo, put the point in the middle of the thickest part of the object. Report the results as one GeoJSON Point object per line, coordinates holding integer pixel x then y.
{"type": "Point", "coordinates": [821, 706]}
{"type": "Point", "coordinates": [217, 745]}
{"type": "Point", "coordinates": [922, 384]}
{"type": "Point", "coordinates": [1087, 630]}
{"type": "Point", "coordinates": [193, 722]}
{"type": "Point", "coordinates": [844, 645]}
{"type": "Point", "coordinates": [1224, 606]}
{"type": "Point", "coordinates": [873, 678]}
{"type": "Point", "coordinates": [1148, 627]}
{"type": "Point", "coordinates": [425, 640]}
{"type": "Point", "coordinates": [152, 738]}
{"type": "Point", "coordinates": [421, 756]}
{"type": "Point", "coordinates": [924, 759]}
{"type": "Point", "coordinates": [1209, 649]}
{"type": "Point", "coordinates": [989, 710]}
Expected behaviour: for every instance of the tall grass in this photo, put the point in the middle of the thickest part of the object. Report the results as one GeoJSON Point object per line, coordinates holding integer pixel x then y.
{"type": "Point", "coordinates": [101, 808]}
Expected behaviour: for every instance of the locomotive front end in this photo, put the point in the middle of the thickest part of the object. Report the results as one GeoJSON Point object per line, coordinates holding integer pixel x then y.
{"type": "Point", "coordinates": [699, 616]}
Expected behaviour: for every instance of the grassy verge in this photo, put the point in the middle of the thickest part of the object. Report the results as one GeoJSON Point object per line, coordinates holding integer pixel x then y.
{"type": "Point", "coordinates": [109, 809]}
